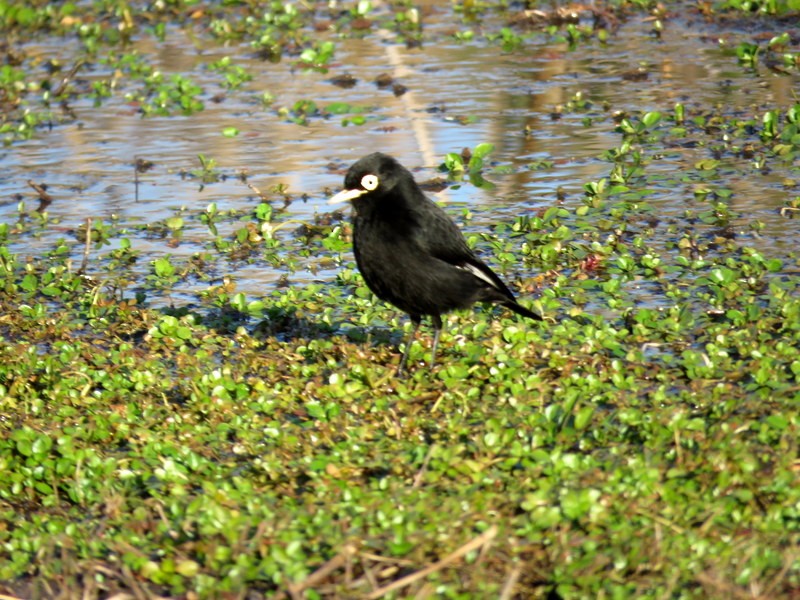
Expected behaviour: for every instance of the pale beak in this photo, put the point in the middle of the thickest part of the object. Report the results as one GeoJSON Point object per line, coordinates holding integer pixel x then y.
{"type": "Point", "coordinates": [346, 196]}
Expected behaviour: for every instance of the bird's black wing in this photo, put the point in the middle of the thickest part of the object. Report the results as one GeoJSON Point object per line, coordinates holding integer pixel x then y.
{"type": "Point", "coordinates": [441, 238]}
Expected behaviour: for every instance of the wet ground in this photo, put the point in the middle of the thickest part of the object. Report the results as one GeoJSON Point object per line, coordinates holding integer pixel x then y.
{"type": "Point", "coordinates": [545, 104]}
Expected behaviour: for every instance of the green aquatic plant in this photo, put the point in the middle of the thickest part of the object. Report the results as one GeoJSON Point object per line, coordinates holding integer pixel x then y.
{"type": "Point", "coordinates": [468, 164]}
{"type": "Point", "coordinates": [318, 56]}
{"type": "Point", "coordinates": [235, 75]}
{"type": "Point", "coordinates": [208, 171]}
{"type": "Point", "coordinates": [163, 97]}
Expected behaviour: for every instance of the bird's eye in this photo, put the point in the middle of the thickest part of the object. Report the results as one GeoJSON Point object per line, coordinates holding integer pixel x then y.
{"type": "Point", "coordinates": [369, 182]}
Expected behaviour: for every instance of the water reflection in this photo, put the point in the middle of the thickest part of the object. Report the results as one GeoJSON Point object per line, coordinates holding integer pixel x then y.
{"type": "Point", "coordinates": [459, 95]}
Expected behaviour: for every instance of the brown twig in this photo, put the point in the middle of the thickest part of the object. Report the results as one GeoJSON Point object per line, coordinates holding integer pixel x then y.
{"type": "Point", "coordinates": [67, 78]}
{"type": "Point", "coordinates": [256, 191]}
{"type": "Point", "coordinates": [110, 573]}
{"type": "Point", "coordinates": [45, 199]}
{"type": "Point", "coordinates": [136, 588]}
{"type": "Point", "coordinates": [788, 563]}
{"type": "Point", "coordinates": [296, 589]}
{"type": "Point", "coordinates": [724, 589]}
{"type": "Point", "coordinates": [788, 209]}
{"type": "Point", "coordinates": [88, 247]}
{"type": "Point", "coordinates": [511, 582]}
{"type": "Point", "coordinates": [661, 520]}
{"type": "Point", "coordinates": [140, 165]}
{"type": "Point", "coordinates": [127, 577]}
{"type": "Point", "coordinates": [421, 473]}
{"type": "Point", "coordinates": [383, 559]}
{"type": "Point", "coordinates": [484, 538]}
{"type": "Point", "coordinates": [369, 575]}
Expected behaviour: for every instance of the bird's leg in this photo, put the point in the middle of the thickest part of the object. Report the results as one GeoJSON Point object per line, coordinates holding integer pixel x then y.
{"type": "Point", "coordinates": [415, 320]}
{"type": "Point", "coordinates": [437, 329]}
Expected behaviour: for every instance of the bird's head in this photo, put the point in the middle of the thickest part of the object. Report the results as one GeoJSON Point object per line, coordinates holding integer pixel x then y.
{"type": "Point", "coordinates": [371, 178]}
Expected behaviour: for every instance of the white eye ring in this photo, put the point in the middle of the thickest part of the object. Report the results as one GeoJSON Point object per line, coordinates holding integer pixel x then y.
{"type": "Point", "coordinates": [369, 182]}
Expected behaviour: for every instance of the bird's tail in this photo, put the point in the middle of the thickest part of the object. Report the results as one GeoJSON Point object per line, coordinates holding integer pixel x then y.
{"type": "Point", "coordinates": [521, 310]}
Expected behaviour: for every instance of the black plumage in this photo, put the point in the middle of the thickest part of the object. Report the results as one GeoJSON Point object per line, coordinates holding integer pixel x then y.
{"type": "Point", "coordinates": [410, 253]}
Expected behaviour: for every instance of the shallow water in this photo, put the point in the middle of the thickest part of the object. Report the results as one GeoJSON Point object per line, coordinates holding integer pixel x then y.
{"type": "Point", "coordinates": [460, 94]}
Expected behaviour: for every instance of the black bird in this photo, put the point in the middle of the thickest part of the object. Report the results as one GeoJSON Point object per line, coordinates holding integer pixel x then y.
{"type": "Point", "coordinates": [410, 253]}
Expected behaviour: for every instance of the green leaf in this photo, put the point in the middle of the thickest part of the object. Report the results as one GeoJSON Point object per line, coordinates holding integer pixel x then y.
{"type": "Point", "coordinates": [708, 164]}
{"type": "Point", "coordinates": [175, 223]}
{"type": "Point", "coordinates": [453, 162]}
{"type": "Point", "coordinates": [339, 108]}
{"type": "Point", "coordinates": [476, 179]}
{"type": "Point", "coordinates": [264, 212]}
{"type": "Point", "coordinates": [256, 308]}
{"type": "Point", "coordinates": [187, 568]}
{"type": "Point", "coordinates": [774, 265]}
{"type": "Point", "coordinates": [778, 422]}
{"type": "Point", "coordinates": [651, 118]}
{"type": "Point", "coordinates": [308, 55]}
{"type": "Point", "coordinates": [163, 267]}
{"type": "Point", "coordinates": [481, 151]}
{"type": "Point", "coordinates": [41, 445]}
{"type": "Point", "coordinates": [25, 447]}
{"type": "Point", "coordinates": [577, 503]}
{"type": "Point", "coordinates": [29, 282]}
{"type": "Point", "coordinates": [583, 417]}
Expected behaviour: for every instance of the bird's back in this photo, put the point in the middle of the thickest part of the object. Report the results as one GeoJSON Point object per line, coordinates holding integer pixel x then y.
{"type": "Point", "coordinates": [413, 255]}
